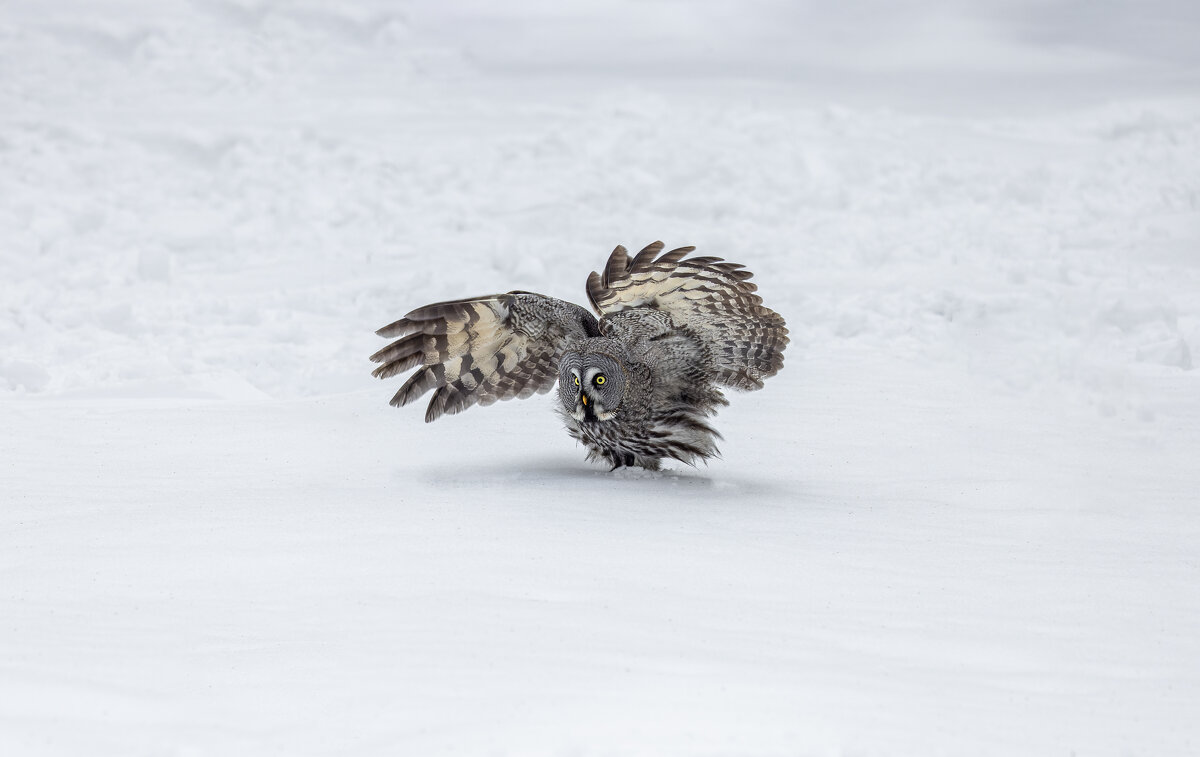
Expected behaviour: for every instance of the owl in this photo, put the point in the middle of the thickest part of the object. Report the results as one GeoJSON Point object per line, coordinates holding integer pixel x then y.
{"type": "Point", "coordinates": [635, 386]}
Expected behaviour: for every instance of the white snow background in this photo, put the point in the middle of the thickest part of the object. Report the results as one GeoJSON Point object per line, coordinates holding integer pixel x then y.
{"type": "Point", "coordinates": [963, 520]}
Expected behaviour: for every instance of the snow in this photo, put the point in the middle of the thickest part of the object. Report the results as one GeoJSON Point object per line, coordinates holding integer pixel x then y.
{"type": "Point", "coordinates": [962, 520]}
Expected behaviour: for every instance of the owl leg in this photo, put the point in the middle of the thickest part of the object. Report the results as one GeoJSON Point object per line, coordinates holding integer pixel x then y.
{"type": "Point", "coordinates": [619, 460]}
{"type": "Point", "coordinates": [649, 463]}
{"type": "Point", "coordinates": [628, 459]}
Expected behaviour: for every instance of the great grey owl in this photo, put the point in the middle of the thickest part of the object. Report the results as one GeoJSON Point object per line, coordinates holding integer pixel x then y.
{"type": "Point", "coordinates": [635, 386]}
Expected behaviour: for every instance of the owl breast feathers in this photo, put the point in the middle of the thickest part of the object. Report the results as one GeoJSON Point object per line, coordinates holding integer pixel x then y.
{"type": "Point", "coordinates": [636, 386]}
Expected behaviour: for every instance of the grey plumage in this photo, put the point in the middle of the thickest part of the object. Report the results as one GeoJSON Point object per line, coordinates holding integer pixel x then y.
{"type": "Point", "coordinates": [635, 386]}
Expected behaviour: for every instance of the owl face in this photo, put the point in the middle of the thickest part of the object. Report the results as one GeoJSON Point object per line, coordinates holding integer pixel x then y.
{"type": "Point", "coordinates": [590, 386]}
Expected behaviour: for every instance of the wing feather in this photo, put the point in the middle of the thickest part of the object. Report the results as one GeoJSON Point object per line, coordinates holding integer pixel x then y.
{"type": "Point", "coordinates": [480, 350]}
{"type": "Point", "coordinates": [645, 258]}
{"type": "Point", "coordinates": [712, 298]}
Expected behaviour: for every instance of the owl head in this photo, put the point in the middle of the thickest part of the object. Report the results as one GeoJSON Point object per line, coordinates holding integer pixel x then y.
{"type": "Point", "coordinates": [591, 385]}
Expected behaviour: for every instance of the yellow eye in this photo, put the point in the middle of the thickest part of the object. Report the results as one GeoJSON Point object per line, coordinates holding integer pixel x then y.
{"type": "Point", "coordinates": [600, 380]}
{"type": "Point", "coordinates": [576, 381]}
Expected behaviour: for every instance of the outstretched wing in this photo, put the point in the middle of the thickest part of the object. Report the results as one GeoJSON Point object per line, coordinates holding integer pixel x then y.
{"type": "Point", "coordinates": [713, 299]}
{"type": "Point", "coordinates": [481, 350]}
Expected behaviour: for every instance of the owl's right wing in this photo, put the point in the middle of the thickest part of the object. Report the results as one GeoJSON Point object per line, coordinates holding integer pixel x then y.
{"type": "Point", "coordinates": [708, 297]}
{"type": "Point", "coordinates": [480, 350]}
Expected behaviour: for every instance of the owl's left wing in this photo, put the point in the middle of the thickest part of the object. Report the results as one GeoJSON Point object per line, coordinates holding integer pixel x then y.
{"type": "Point", "coordinates": [480, 350]}
{"type": "Point", "coordinates": [705, 295]}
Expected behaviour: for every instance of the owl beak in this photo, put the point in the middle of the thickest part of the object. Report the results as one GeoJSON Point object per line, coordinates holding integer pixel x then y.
{"type": "Point", "coordinates": [584, 398]}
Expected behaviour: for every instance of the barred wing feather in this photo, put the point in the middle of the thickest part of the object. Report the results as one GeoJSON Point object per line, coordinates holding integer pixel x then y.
{"type": "Point", "coordinates": [712, 298]}
{"type": "Point", "coordinates": [480, 350]}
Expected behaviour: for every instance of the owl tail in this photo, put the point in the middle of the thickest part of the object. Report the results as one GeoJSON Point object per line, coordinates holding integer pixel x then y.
{"type": "Point", "coordinates": [713, 299]}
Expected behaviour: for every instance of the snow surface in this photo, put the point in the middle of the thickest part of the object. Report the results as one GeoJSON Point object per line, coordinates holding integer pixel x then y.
{"type": "Point", "coordinates": [963, 520]}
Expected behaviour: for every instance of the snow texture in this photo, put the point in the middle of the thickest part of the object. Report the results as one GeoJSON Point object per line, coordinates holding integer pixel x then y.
{"type": "Point", "coordinates": [963, 520]}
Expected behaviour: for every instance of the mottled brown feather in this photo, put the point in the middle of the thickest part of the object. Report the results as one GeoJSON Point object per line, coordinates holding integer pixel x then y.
{"type": "Point", "coordinates": [705, 294]}
{"type": "Point", "coordinates": [480, 350]}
